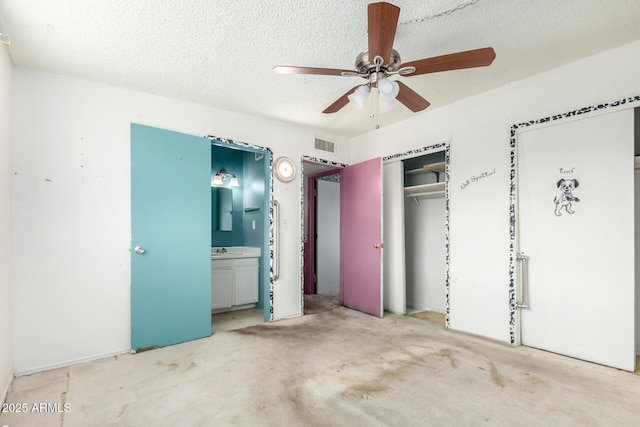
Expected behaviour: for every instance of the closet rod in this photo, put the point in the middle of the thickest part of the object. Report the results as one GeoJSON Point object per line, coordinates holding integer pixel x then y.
{"type": "Point", "coordinates": [426, 193]}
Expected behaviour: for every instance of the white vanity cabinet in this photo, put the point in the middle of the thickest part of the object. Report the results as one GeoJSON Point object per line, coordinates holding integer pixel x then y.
{"type": "Point", "coordinates": [221, 283]}
{"type": "Point", "coordinates": [234, 283]}
{"type": "Point", "coordinates": [245, 280]}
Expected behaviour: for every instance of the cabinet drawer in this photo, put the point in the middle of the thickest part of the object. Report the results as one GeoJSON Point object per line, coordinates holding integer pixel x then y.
{"type": "Point", "coordinates": [222, 263]}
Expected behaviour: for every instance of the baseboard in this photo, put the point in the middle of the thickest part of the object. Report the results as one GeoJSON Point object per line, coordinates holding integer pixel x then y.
{"type": "Point", "coordinates": [71, 362]}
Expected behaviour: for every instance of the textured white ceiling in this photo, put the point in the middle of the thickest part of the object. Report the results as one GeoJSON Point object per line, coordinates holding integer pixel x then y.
{"type": "Point", "coordinates": [221, 52]}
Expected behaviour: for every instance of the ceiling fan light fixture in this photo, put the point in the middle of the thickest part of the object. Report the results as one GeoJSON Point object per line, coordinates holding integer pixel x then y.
{"type": "Point", "coordinates": [359, 95]}
{"type": "Point", "coordinates": [388, 89]}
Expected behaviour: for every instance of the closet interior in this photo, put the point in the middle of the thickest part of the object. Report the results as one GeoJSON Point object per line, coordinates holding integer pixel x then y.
{"type": "Point", "coordinates": [425, 233]}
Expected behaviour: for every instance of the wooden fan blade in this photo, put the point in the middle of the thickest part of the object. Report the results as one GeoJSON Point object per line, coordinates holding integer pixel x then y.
{"type": "Point", "coordinates": [382, 24]}
{"type": "Point", "coordinates": [283, 69]}
{"type": "Point", "coordinates": [411, 99]}
{"type": "Point", "coordinates": [340, 102]}
{"type": "Point", "coordinates": [453, 61]}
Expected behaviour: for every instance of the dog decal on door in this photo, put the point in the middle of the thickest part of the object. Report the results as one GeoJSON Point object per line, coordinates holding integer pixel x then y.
{"type": "Point", "coordinates": [564, 201]}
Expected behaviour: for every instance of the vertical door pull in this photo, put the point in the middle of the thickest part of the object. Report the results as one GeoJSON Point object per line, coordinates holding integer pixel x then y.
{"type": "Point", "coordinates": [524, 279]}
{"type": "Point", "coordinates": [276, 240]}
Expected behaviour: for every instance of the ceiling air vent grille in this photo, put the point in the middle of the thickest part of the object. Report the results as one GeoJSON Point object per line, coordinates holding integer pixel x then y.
{"type": "Point", "coordinates": [324, 145]}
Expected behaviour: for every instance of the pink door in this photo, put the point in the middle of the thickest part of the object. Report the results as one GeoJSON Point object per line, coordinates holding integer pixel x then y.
{"type": "Point", "coordinates": [361, 237]}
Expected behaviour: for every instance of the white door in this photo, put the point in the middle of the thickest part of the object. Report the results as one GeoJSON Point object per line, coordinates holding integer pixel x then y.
{"type": "Point", "coordinates": [575, 184]}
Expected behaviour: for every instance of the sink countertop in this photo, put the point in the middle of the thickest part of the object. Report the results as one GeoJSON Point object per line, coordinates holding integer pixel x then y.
{"type": "Point", "coordinates": [235, 252]}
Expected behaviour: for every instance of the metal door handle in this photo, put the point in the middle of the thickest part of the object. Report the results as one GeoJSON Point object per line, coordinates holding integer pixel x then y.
{"type": "Point", "coordinates": [377, 245]}
{"type": "Point", "coordinates": [524, 279]}
{"type": "Point", "coordinates": [138, 250]}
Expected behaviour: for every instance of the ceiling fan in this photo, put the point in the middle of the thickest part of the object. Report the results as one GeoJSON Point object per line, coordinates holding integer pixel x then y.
{"type": "Point", "coordinates": [381, 61]}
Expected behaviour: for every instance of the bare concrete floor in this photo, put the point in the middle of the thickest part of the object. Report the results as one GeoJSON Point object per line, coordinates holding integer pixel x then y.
{"type": "Point", "coordinates": [223, 322]}
{"type": "Point", "coordinates": [333, 367]}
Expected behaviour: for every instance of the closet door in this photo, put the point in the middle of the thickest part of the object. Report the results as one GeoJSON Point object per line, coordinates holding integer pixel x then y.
{"type": "Point", "coordinates": [575, 224]}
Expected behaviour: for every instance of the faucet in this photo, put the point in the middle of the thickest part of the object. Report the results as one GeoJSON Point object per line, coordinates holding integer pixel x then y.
{"type": "Point", "coordinates": [221, 250]}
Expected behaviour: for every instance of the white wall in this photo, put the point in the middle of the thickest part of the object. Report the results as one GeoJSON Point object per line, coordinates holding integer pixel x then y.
{"type": "Point", "coordinates": [425, 253]}
{"type": "Point", "coordinates": [328, 241]}
{"type": "Point", "coordinates": [71, 207]}
{"type": "Point", "coordinates": [6, 361]}
{"type": "Point", "coordinates": [478, 128]}
{"type": "Point", "coordinates": [393, 259]}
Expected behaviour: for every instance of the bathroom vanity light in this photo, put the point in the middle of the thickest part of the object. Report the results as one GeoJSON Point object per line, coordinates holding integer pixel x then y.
{"type": "Point", "coordinates": [218, 179]}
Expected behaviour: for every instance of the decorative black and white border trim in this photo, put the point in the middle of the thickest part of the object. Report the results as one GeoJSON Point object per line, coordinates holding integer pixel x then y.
{"type": "Point", "coordinates": [257, 148]}
{"type": "Point", "coordinates": [416, 152]}
{"type": "Point", "coordinates": [513, 191]}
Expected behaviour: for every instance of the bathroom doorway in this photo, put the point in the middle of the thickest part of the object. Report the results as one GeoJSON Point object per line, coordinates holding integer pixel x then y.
{"type": "Point", "coordinates": [240, 224]}
{"type": "Point", "coordinates": [172, 233]}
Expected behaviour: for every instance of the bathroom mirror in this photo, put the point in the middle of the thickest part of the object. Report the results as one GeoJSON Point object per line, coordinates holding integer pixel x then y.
{"type": "Point", "coordinates": [224, 198]}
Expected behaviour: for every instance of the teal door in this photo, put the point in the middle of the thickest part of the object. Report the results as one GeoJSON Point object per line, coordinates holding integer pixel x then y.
{"type": "Point", "coordinates": [170, 237]}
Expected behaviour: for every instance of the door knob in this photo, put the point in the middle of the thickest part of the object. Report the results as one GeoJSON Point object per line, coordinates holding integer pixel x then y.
{"type": "Point", "coordinates": [138, 250]}
{"type": "Point", "coordinates": [377, 245]}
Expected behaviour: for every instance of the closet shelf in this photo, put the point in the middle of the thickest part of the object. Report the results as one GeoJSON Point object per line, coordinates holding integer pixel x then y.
{"type": "Point", "coordinates": [424, 189]}
{"type": "Point", "coordinates": [432, 167]}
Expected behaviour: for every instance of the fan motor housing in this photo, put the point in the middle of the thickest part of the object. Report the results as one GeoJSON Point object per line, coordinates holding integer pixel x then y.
{"type": "Point", "coordinates": [365, 66]}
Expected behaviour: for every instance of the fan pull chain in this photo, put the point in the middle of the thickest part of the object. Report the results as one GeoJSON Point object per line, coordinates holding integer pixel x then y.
{"type": "Point", "coordinates": [372, 113]}
{"type": "Point", "coordinates": [378, 108]}
{"type": "Point", "coordinates": [375, 106]}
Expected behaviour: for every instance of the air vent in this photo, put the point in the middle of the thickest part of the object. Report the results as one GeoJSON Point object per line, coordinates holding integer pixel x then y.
{"type": "Point", "coordinates": [324, 145]}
